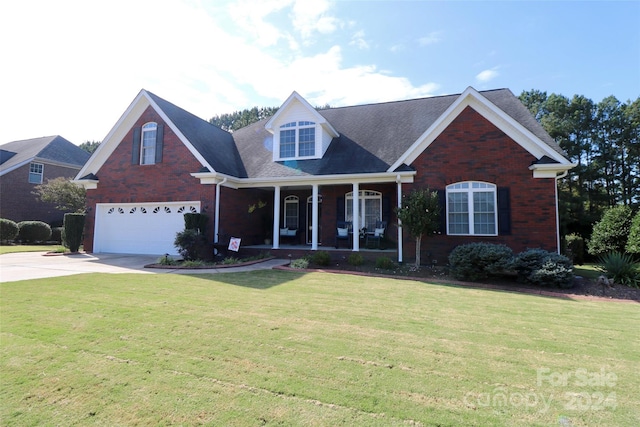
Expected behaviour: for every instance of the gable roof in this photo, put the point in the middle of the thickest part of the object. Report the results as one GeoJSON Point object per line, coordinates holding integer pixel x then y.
{"type": "Point", "coordinates": [49, 149]}
{"type": "Point", "coordinates": [212, 146]}
{"type": "Point", "coordinates": [380, 138]}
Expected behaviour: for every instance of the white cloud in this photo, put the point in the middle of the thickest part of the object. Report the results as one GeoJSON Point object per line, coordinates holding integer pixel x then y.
{"type": "Point", "coordinates": [487, 75]}
{"type": "Point", "coordinates": [74, 74]}
{"type": "Point", "coordinates": [432, 38]}
{"type": "Point", "coordinates": [359, 41]}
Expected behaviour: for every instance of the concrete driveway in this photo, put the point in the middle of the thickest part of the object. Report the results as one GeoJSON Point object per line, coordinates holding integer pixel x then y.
{"type": "Point", "coordinates": [38, 265]}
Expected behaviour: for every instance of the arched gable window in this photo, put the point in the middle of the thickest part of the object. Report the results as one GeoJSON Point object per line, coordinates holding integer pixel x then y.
{"type": "Point", "coordinates": [291, 212]}
{"type": "Point", "coordinates": [471, 208]}
{"type": "Point", "coordinates": [370, 208]}
{"type": "Point", "coordinates": [148, 144]}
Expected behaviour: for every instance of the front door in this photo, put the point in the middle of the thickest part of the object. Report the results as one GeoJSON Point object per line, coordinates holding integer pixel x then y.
{"type": "Point", "coordinates": [310, 219]}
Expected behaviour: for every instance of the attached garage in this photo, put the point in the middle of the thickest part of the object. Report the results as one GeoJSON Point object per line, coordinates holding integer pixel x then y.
{"type": "Point", "coordinates": [140, 228]}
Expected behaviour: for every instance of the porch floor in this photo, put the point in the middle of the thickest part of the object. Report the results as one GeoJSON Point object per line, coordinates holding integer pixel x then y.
{"type": "Point", "coordinates": [296, 251]}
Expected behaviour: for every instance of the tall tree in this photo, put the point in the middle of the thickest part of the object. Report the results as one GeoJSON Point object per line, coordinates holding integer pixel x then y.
{"type": "Point", "coordinates": [90, 146]}
{"type": "Point", "coordinates": [239, 119]}
{"type": "Point", "coordinates": [420, 215]}
{"type": "Point", "coordinates": [67, 196]}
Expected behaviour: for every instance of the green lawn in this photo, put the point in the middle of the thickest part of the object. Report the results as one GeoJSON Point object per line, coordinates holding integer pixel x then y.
{"type": "Point", "coordinates": [285, 348]}
{"type": "Point", "coordinates": [8, 249]}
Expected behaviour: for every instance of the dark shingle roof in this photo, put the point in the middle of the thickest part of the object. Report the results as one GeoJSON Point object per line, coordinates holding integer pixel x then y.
{"type": "Point", "coordinates": [213, 143]}
{"type": "Point", "coordinates": [50, 148]}
{"type": "Point", "coordinates": [372, 137]}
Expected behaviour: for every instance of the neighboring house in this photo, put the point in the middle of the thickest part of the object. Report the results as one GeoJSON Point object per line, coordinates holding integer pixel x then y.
{"type": "Point", "coordinates": [493, 165]}
{"type": "Point", "coordinates": [27, 163]}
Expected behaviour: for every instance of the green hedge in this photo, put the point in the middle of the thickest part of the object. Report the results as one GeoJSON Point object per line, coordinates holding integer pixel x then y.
{"type": "Point", "coordinates": [73, 230]}
{"type": "Point", "coordinates": [475, 261]}
{"type": "Point", "coordinates": [8, 230]}
{"type": "Point", "coordinates": [33, 231]}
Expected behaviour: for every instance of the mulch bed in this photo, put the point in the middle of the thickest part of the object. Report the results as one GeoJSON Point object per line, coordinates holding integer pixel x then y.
{"type": "Point", "coordinates": [582, 289]}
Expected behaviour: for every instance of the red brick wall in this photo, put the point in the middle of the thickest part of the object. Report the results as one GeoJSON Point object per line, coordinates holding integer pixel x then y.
{"type": "Point", "coordinates": [122, 182]}
{"type": "Point", "coordinates": [18, 204]}
{"type": "Point", "coordinates": [472, 149]}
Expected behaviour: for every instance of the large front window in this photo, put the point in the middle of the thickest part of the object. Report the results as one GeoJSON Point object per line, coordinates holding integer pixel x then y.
{"type": "Point", "coordinates": [297, 139]}
{"type": "Point", "coordinates": [148, 145]}
{"type": "Point", "coordinates": [471, 209]}
{"type": "Point", "coordinates": [291, 208]}
{"type": "Point", "coordinates": [370, 208]}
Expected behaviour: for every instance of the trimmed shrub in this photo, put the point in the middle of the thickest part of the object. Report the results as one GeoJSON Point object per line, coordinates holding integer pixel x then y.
{"type": "Point", "coordinates": [189, 243]}
{"type": "Point", "coordinates": [355, 259]}
{"type": "Point", "coordinates": [195, 221]}
{"type": "Point", "coordinates": [321, 258]}
{"type": "Point", "coordinates": [300, 263]}
{"type": "Point", "coordinates": [575, 248]}
{"type": "Point", "coordinates": [475, 261]}
{"type": "Point", "coordinates": [611, 232]}
{"type": "Point", "coordinates": [621, 268]}
{"type": "Point", "coordinates": [73, 229]}
{"type": "Point", "coordinates": [56, 234]}
{"type": "Point", "coordinates": [33, 231]}
{"type": "Point", "coordinates": [385, 263]}
{"type": "Point", "coordinates": [633, 243]}
{"type": "Point", "coordinates": [542, 268]}
{"type": "Point", "coordinates": [8, 230]}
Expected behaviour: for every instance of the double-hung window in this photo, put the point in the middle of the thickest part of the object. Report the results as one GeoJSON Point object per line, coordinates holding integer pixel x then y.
{"type": "Point", "coordinates": [370, 208]}
{"type": "Point", "coordinates": [471, 209]}
{"type": "Point", "coordinates": [291, 204]}
{"type": "Point", "coordinates": [36, 171]}
{"type": "Point", "coordinates": [148, 144]}
{"type": "Point", "coordinates": [297, 139]}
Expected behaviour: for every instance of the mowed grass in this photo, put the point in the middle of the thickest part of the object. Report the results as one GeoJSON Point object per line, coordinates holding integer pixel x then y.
{"type": "Point", "coordinates": [9, 249]}
{"type": "Point", "coordinates": [286, 348]}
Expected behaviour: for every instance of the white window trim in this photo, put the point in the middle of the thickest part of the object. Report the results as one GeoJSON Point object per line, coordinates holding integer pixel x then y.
{"type": "Point", "coordinates": [299, 124]}
{"type": "Point", "coordinates": [363, 196]}
{"type": "Point", "coordinates": [488, 187]}
{"type": "Point", "coordinates": [40, 174]}
{"type": "Point", "coordinates": [290, 200]}
{"type": "Point", "coordinates": [153, 147]}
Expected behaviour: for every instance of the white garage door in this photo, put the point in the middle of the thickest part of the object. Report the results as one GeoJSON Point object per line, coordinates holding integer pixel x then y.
{"type": "Point", "coordinates": [140, 228]}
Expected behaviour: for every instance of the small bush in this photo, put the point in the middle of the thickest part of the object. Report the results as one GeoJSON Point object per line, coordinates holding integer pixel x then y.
{"type": "Point", "coordinates": [611, 232]}
{"type": "Point", "coordinates": [575, 248]}
{"type": "Point", "coordinates": [543, 268]}
{"type": "Point", "coordinates": [33, 231]}
{"type": "Point", "coordinates": [621, 268]}
{"type": "Point", "coordinates": [56, 234]}
{"type": "Point", "coordinates": [231, 260]}
{"type": "Point", "coordinates": [385, 263]}
{"type": "Point", "coordinates": [355, 259]}
{"type": "Point", "coordinates": [167, 260]}
{"type": "Point", "coordinates": [321, 258]}
{"type": "Point", "coordinates": [633, 242]}
{"type": "Point", "coordinates": [73, 229]}
{"type": "Point", "coordinates": [475, 261]}
{"type": "Point", "coordinates": [8, 230]}
{"type": "Point", "coordinates": [300, 263]}
{"type": "Point", "coordinates": [195, 221]}
{"type": "Point", "coordinates": [189, 243]}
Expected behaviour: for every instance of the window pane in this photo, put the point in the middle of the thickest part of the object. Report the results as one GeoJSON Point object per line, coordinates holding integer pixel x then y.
{"type": "Point", "coordinates": [307, 142]}
{"type": "Point", "coordinates": [483, 213]}
{"type": "Point", "coordinates": [372, 213]}
{"type": "Point", "coordinates": [458, 204]}
{"type": "Point", "coordinates": [35, 173]}
{"type": "Point", "coordinates": [148, 154]}
{"type": "Point", "coordinates": [291, 214]}
{"type": "Point", "coordinates": [287, 143]}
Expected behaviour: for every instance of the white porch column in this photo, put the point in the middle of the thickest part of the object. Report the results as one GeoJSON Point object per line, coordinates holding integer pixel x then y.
{"type": "Point", "coordinates": [276, 218]}
{"type": "Point", "coordinates": [399, 185]}
{"type": "Point", "coordinates": [356, 217]}
{"type": "Point", "coordinates": [314, 218]}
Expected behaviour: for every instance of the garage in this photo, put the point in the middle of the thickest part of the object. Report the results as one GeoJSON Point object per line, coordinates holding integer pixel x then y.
{"type": "Point", "coordinates": [140, 228]}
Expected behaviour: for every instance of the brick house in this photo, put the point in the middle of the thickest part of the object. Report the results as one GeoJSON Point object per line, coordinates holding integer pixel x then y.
{"type": "Point", "coordinates": [295, 176]}
{"type": "Point", "coordinates": [27, 163]}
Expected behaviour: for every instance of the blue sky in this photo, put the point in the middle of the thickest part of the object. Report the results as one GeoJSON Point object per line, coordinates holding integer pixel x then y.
{"type": "Point", "coordinates": [71, 67]}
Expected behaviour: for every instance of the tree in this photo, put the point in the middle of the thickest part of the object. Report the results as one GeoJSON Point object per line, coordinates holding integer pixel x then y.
{"type": "Point", "coordinates": [239, 119]}
{"type": "Point", "coordinates": [610, 234]}
{"type": "Point", "coordinates": [420, 215]}
{"type": "Point", "coordinates": [67, 196]}
{"type": "Point", "coordinates": [633, 243]}
{"type": "Point", "coordinates": [90, 146]}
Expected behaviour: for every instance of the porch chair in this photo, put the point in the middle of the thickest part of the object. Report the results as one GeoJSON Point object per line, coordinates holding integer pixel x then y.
{"type": "Point", "coordinates": [344, 231]}
{"type": "Point", "coordinates": [377, 234]}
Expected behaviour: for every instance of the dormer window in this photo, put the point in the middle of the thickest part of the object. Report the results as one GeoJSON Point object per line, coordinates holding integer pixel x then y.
{"type": "Point", "coordinates": [298, 139]}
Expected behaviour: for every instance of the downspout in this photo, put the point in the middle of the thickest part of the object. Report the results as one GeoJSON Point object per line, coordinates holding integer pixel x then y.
{"type": "Point", "coordinates": [216, 224]}
{"type": "Point", "coordinates": [400, 243]}
{"type": "Point", "coordinates": [562, 175]}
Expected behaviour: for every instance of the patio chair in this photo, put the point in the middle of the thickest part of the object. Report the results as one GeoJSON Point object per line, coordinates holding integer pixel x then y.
{"type": "Point", "coordinates": [377, 234]}
{"type": "Point", "coordinates": [344, 231]}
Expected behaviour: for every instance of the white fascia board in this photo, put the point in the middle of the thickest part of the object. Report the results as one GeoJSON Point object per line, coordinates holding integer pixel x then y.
{"type": "Point", "coordinates": [214, 178]}
{"type": "Point", "coordinates": [295, 96]}
{"type": "Point", "coordinates": [550, 170]}
{"type": "Point", "coordinates": [404, 177]}
{"type": "Point", "coordinates": [88, 184]}
{"type": "Point", "coordinates": [472, 98]}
